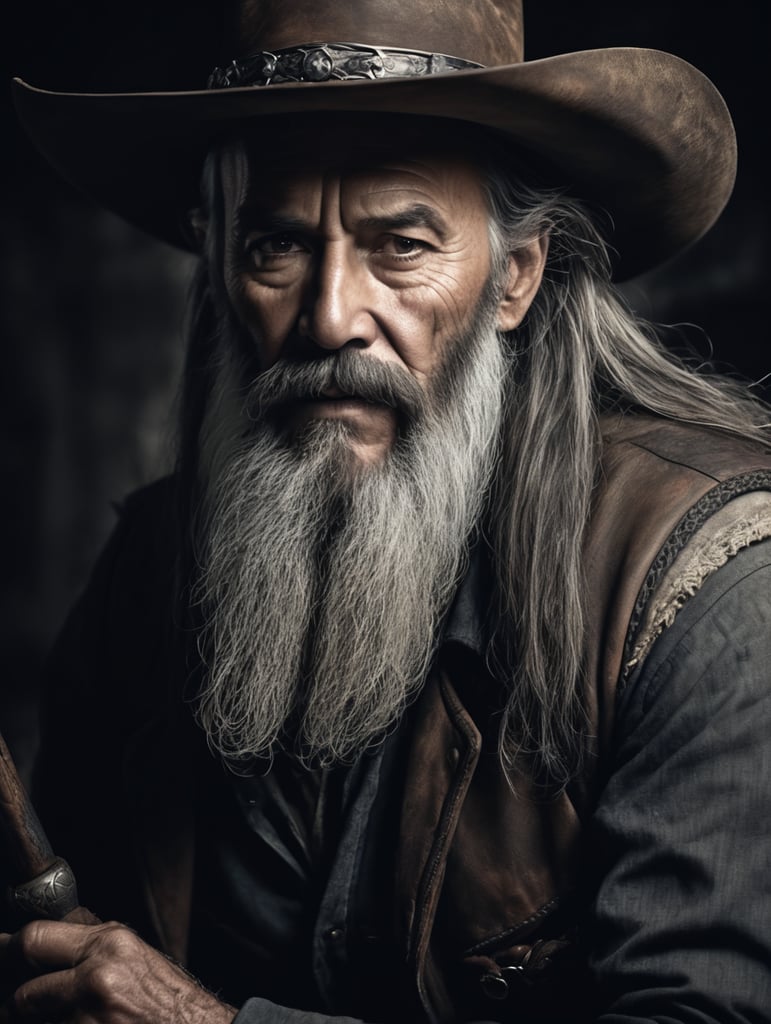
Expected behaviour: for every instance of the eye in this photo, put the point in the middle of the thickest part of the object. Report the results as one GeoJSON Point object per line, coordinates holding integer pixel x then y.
{"type": "Point", "coordinates": [403, 246]}
{"type": "Point", "coordinates": [266, 249]}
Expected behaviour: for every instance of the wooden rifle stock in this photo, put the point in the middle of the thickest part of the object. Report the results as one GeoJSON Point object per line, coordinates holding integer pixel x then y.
{"type": "Point", "coordinates": [42, 884]}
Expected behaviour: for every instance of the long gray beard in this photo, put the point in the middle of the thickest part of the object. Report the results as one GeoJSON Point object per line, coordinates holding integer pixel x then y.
{"type": "Point", "coordinates": [323, 583]}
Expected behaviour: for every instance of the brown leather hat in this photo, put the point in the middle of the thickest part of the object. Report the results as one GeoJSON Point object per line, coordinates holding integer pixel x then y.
{"type": "Point", "coordinates": [638, 131]}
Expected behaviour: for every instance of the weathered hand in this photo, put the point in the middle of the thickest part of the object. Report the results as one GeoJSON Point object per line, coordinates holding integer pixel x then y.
{"type": "Point", "coordinates": [100, 974]}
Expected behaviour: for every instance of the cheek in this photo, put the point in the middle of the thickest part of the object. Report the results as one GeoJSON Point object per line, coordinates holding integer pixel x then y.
{"type": "Point", "coordinates": [438, 310]}
{"type": "Point", "coordinates": [269, 315]}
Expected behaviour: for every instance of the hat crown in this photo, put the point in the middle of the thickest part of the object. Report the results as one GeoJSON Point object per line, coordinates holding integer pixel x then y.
{"type": "Point", "coordinates": [488, 32]}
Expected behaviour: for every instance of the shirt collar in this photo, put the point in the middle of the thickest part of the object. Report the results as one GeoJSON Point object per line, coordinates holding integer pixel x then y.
{"type": "Point", "coordinates": [468, 619]}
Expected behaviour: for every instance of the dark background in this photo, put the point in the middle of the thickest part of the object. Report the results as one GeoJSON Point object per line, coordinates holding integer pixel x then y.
{"type": "Point", "coordinates": [91, 312]}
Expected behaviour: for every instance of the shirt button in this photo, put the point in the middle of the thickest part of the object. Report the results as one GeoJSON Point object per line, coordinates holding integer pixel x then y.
{"type": "Point", "coordinates": [335, 935]}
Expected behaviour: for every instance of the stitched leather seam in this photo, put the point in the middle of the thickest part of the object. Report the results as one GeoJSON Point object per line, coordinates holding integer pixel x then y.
{"type": "Point", "coordinates": [516, 930]}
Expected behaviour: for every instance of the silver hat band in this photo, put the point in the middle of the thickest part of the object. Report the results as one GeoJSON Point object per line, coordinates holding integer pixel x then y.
{"type": "Point", "coordinates": [326, 62]}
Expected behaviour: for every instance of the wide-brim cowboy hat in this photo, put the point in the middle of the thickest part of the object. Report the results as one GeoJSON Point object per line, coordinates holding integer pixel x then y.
{"type": "Point", "coordinates": [641, 133]}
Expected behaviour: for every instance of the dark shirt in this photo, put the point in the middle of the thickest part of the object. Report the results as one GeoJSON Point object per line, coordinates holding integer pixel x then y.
{"type": "Point", "coordinates": [680, 929]}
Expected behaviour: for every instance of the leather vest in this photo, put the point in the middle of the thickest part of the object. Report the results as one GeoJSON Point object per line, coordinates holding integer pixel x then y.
{"type": "Point", "coordinates": [488, 871]}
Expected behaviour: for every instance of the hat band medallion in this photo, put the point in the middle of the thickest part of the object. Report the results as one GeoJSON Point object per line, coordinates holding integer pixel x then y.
{"type": "Point", "coordinates": [324, 62]}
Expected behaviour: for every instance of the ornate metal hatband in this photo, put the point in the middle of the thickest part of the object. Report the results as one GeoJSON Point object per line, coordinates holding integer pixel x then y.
{"type": "Point", "coordinates": [324, 62]}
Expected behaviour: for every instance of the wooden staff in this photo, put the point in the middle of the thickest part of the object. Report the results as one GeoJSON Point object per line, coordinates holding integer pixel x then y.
{"type": "Point", "coordinates": [42, 884]}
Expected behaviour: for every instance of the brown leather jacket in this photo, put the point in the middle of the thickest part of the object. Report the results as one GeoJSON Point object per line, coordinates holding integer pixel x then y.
{"type": "Point", "coordinates": [482, 866]}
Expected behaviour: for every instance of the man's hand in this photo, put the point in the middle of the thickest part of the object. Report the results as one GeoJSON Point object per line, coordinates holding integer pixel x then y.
{"type": "Point", "coordinates": [99, 974]}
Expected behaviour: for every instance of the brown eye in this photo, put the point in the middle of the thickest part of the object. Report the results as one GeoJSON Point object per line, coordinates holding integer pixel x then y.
{"type": "Point", "coordinates": [274, 252]}
{"type": "Point", "coordinates": [401, 245]}
{"type": "Point", "coordinates": [275, 245]}
{"type": "Point", "coordinates": [404, 245]}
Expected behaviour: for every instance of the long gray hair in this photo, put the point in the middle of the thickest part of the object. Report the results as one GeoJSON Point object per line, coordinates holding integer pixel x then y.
{"type": "Point", "coordinates": [579, 353]}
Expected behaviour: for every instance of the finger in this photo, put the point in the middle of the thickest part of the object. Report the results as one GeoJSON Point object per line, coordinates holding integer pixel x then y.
{"type": "Point", "coordinates": [14, 969]}
{"type": "Point", "coordinates": [47, 998]}
{"type": "Point", "coordinates": [46, 945]}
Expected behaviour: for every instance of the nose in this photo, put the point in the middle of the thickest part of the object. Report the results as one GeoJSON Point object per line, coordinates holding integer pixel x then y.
{"type": "Point", "coordinates": [337, 309]}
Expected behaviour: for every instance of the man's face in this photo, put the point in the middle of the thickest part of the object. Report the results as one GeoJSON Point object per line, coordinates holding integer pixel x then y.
{"type": "Point", "coordinates": [361, 308]}
{"type": "Point", "coordinates": [387, 254]}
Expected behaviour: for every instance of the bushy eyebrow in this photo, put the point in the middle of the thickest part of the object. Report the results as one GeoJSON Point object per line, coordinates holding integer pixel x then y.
{"type": "Point", "coordinates": [418, 215]}
{"type": "Point", "coordinates": [254, 217]}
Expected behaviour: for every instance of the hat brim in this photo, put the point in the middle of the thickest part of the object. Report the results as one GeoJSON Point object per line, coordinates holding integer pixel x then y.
{"type": "Point", "coordinates": [639, 132]}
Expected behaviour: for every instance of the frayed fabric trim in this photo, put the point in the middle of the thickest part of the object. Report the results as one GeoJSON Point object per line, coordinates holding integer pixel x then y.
{"type": "Point", "coordinates": [743, 521]}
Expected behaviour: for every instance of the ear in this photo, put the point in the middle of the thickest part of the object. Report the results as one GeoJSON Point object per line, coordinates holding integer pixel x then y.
{"type": "Point", "coordinates": [525, 272]}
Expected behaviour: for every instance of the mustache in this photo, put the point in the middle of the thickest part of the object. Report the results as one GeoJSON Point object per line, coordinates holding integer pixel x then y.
{"type": "Point", "coordinates": [345, 373]}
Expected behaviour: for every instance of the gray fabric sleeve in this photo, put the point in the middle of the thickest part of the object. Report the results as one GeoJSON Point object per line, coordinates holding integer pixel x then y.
{"type": "Point", "coordinates": [262, 1011]}
{"type": "Point", "coordinates": [682, 921]}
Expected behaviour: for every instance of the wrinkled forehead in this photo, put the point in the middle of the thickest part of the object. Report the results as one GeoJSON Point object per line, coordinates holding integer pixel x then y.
{"type": "Point", "coordinates": [286, 157]}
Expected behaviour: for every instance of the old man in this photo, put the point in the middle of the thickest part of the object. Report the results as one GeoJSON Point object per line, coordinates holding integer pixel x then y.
{"type": "Point", "coordinates": [433, 686]}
